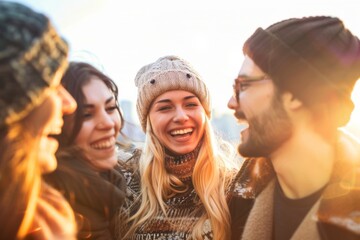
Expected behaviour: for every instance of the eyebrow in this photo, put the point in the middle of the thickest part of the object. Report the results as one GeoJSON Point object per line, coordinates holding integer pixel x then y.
{"type": "Point", "coordinates": [247, 78]}
{"type": "Point", "coordinates": [243, 76]}
{"type": "Point", "coordinates": [92, 105]}
{"type": "Point", "coordinates": [168, 100]}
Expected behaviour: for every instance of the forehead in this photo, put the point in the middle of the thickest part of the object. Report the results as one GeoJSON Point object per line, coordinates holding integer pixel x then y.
{"type": "Point", "coordinates": [249, 68]}
{"type": "Point", "coordinates": [96, 89]}
{"type": "Point", "coordinates": [174, 95]}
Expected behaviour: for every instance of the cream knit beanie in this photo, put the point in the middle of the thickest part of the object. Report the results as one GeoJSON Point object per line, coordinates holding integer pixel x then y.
{"type": "Point", "coordinates": [166, 74]}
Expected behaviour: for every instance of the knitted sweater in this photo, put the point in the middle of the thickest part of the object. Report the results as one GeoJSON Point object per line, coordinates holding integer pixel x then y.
{"type": "Point", "coordinates": [183, 211]}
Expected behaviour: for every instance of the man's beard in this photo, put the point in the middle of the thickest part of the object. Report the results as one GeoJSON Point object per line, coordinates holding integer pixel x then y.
{"type": "Point", "coordinates": [267, 131]}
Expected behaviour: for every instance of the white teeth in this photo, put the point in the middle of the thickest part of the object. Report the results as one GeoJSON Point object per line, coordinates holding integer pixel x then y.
{"type": "Point", "coordinates": [181, 131]}
{"type": "Point", "coordinates": [107, 143]}
{"type": "Point", "coordinates": [245, 124]}
{"type": "Point", "coordinates": [55, 132]}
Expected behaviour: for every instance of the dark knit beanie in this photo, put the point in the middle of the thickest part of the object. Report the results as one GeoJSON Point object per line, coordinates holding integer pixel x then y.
{"type": "Point", "coordinates": [308, 56]}
{"type": "Point", "coordinates": [31, 54]}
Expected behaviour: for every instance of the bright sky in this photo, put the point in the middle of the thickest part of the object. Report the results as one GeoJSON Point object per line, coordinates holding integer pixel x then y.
{"type": "Point", "coordinates": [120, 36]}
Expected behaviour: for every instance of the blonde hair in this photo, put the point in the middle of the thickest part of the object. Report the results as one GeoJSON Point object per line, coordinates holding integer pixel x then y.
{"type": "Point", "coordinates": [21, 183]}
{"type": "Point", "coordinates": [212, 175]}
{"type": "Point", "coordinates": [20, 178]}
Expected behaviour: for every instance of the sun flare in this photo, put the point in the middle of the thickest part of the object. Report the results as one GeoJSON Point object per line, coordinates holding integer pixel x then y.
{"type": "Point", "coordinates": [354, 124]}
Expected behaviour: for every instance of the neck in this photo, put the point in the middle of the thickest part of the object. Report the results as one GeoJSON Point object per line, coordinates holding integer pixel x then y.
{"type": "Point", "coordinates": [304, 163]}
{"type": "Point", "coordinates": [181, 166]}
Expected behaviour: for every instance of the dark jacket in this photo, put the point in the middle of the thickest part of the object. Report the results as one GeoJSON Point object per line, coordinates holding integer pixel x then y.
{"type": "Point", "coordinates": [334, 216]}
{"type": "Point", "coordinates": [95, 197]}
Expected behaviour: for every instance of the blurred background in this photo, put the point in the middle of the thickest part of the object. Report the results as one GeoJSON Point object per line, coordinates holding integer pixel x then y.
{"type": "Point", "coordinates": [119, 37]}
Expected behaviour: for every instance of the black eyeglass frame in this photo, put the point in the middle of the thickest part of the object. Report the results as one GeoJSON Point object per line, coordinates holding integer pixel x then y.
{"type": "Point", "coordinates": [241, 79]}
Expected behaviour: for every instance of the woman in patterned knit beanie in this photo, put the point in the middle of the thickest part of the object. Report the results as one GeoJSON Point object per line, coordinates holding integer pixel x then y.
{"type": "Point", "coordinates": [186, 172]}
{"type": "Point", "coordinates": [32, 101]}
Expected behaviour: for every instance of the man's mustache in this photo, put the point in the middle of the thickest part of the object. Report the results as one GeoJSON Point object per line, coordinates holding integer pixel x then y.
{"type": "Point", "coordinates": [240, 115]}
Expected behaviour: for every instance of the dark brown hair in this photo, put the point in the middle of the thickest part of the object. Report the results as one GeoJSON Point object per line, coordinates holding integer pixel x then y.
{"type": "Point", "coordinates": [77, 75]}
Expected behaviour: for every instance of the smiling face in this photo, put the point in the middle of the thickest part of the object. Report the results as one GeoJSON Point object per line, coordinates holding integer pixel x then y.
{"type": "Point", "coordinates": [101, 125]}
{"type": "Point", "coordinates": [177, 119]}
{"type": "Point", "coordinates": [260, 106]}
{"type": "Point", "coordinates": [46, 120]}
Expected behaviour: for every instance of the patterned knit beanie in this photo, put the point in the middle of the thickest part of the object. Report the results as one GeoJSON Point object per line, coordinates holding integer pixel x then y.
{"type": "Point", "coordinates": [309, 57]}
{"type": "Point", "coordinates": [31, 53]}
{"type": "Point", "coordinates": [166, 74]}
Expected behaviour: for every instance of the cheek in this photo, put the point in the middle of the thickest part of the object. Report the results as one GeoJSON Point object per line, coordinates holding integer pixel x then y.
{"type": "Point", "coordinates": [157, 124]}
{"type": "Point", "coordinates": [249, 105]}
{"type": "Point", "coordinates": [154, 120]}
{"type": "Point", "coordinates": [199, 116]}
{"type": "Point", "coordinates": [118, 125]}
{"type": "Point", "coordinates": [83, 135]}
{"type": "Point", "coordinates": [43, 117]}
{"type": "Point", "coordinates": [201, 120]}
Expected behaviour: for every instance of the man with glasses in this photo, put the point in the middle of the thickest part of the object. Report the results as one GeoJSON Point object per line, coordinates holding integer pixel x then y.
{"type": "Point", "coordinates": [293, 92]}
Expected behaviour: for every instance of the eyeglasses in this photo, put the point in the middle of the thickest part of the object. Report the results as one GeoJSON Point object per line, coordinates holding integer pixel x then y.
{"type": "Point", "coordinates": [242, 82]}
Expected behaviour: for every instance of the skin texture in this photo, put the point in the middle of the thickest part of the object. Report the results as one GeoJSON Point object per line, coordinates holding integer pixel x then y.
{"type": "Point", "coordinates": [261, 108]}
{"type": "Point", "coordinates": [47, 120]}
{"type": "Point", "coordinates": [281, 128]}
{"type": "Point", "coordinates": [101, 125]}
{"type": "Point", "coordinates": [177, 119]}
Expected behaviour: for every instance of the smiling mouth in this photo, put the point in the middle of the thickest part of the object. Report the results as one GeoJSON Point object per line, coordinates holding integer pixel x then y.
{"type": "Point", "coordinates": [241, 119]}
{"type": "Point", "coordinates": [104, 144]}
{"type": "Point", "coordinates": [54, 132]}
{"type": "Point", "coordinates": [181, 132]}
{"type": "Point", "coordinates": [53, 135]}
{"type": "Point", "coordinates": [244, 123]}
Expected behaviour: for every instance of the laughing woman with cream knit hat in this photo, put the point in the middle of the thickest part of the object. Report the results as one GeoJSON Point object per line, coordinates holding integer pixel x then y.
{"type": "Point", "coordinates": [184, 191]}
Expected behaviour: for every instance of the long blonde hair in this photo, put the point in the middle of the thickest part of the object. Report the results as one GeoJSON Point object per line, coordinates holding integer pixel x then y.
{"type": "Point", "coordinates": [213, 173]}
{"type": "Point", "coordinates": [21, 182]}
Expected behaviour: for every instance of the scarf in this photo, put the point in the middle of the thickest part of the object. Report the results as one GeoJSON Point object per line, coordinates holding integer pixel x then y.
{"type": "Point", "coordinates": [181, 166]}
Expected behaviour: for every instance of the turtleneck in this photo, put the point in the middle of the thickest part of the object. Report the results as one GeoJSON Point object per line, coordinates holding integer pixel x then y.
{"type": "Point", "coordinates": [181, 166]}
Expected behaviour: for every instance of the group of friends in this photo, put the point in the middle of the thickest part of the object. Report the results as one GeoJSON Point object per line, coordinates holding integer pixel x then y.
{"type": "Point", "coordinates": [64, 175]}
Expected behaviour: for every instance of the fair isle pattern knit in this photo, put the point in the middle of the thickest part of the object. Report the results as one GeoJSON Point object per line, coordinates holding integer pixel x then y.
{"type": "Point", "coordinates": [182, 166]}
{"type": "Point", "coordinates": [183, 211]}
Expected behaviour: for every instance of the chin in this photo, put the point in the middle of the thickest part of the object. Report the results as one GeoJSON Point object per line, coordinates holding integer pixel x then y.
{"type": "Point", "coordinates": [183, 150]}
{"type": "Point", "coordinates": [48, 165]}
{"type": "Point", "coordinates": [256, 150]}
{"type": "Point", "coordinates": [108, 164]}
{"type": "Point", "coordinates": [248, 150]}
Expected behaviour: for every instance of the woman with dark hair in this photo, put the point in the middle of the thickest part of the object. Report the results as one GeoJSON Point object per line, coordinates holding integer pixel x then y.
{"type": "Point", "coordinates": [88, 174]}
{"type": "Point", "coordinates": [33, 57]}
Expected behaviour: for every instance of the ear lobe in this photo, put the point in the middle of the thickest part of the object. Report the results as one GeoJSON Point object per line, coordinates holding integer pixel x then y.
{"type": "Point", "coordinates": [291, 102]}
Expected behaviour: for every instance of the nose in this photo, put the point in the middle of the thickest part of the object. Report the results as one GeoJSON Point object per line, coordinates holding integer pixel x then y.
{"type": "Point", "coordinates": [68, 102]}
{"type": "Point", "coordinates": [232, 103]}
{"type": "Point", "coordinates": [104, 121]}
{"type": "Point", "coordinates": [180, 115]}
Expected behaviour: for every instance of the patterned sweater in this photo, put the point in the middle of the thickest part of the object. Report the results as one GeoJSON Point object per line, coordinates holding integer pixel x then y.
{"type": "Point", "coordinates": [183, 211]}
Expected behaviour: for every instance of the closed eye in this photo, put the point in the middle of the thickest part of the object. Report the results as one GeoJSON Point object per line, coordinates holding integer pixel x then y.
{"type": "Point", "coordinates": [244, 85]}
{"type": "Point", "coordinates": [111, 109]}
{"type": "Point", "coordinates": [87, 115]}
{"type": "Point", "coordinates": [163, 108]}
{"type": "Point", "coordinates": [192, 104]}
